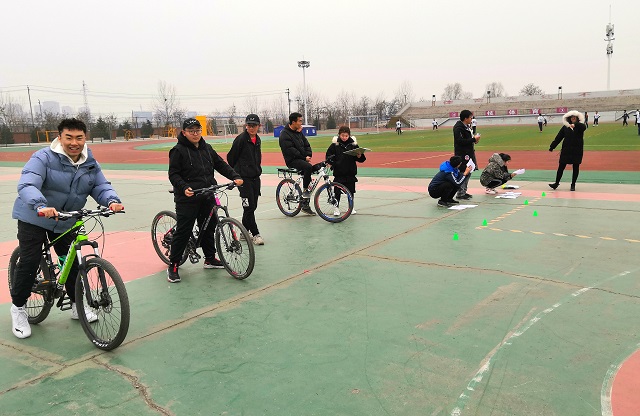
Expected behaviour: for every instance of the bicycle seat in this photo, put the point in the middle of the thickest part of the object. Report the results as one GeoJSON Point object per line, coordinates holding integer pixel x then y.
{"type": "Point", "coordinates": [290, 170]}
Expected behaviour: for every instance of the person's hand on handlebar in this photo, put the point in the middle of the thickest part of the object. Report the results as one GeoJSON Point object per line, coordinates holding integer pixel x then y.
{"type": "Point", "coordinates": [115, 207]}
{"type": "Point", "coordinates": [48, 212]}
{"type": "Point", "coordinates": [238, 182]}
{"type": "Point", "coordinates": [188, 192]}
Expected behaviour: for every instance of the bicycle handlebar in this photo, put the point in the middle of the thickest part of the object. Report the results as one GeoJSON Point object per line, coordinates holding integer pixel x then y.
{"type": "Point", "coordinates": [211, 188]}
{"type": "Point", "coordinates": [65, 215]}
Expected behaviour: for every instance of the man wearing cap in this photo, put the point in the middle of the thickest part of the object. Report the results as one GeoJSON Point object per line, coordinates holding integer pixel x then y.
{"type": "Point", "coordinates": [245, 156]}
{"type": "Point", "coordinates": [192, 163]}
{"type": "Point", "coordinates": [297, 153]}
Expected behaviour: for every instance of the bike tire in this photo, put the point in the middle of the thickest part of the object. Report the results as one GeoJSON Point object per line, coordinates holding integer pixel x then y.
{"type": "Point", "coordinates": [326, 202]}
{"type": "Point", "coordinates": [111, 304]}
{"type": "Point", "coordinates": [40, 302]}
{"type": "Point", "coordinates": [236, 254]}
{"type": "Point", "coordinates": [289, 197]}
{"type": "Point", "coordinates": [162, 228]}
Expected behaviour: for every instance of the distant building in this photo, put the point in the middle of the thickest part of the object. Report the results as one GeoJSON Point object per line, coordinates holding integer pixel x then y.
{"type": "Point", "coordinates": [52, 107]}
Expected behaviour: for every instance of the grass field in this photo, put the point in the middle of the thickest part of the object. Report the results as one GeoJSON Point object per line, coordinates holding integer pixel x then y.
{"type": "Point", "coordinates": [604, 137]}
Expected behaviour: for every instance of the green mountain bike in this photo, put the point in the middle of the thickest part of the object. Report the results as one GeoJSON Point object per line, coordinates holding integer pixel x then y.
{"type": "Point", "coordinates": [99, 286]}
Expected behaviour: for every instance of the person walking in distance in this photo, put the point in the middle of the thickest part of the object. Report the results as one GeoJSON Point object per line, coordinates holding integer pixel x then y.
{"type": "Point", "coordinates": [586, 120]}
{"type": "Point", "coordinates": [596, 118]}
{"type": "Point", "coordinates": [297, 153]}
{"type": "Point", "coordinates": [625, 117]}
{"type": "Point", "coordinates": [434, 123]}
{"type": "Point", "coordinates": [398, 127]}
{"type": "Point", "coordinates": [540, 122]}
{"type": "Point", "coordinates": [245, 157]}
{"type": "Point", "coordinates": [474, 125]}
{"type": "Point", "coordinates": [464, 142]}
{"type": "Point", "coordinates": [571, 135]}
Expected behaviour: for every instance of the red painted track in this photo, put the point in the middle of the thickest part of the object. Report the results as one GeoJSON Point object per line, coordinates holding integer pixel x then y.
{"type": "Point", "coordinates": [127, 153]}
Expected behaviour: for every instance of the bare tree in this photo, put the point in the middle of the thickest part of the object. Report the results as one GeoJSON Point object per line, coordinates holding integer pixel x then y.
{"type": "Point", "coordinates": [11, 112]}
{"type": "Point", "coordinates": [455, 92]}
{"type": "Point", "coordinates": [251, 104]}
{"type": "Point", "coordinates": [531, 89]}
{"type": "Point", "coordinates": [166, 105]}
{"type": "Point", "coordinates": [404, 93]}
{"type": "Point", "coordinates": [496, 88]}
{"type": "Point", "coordinates": [344, 103]}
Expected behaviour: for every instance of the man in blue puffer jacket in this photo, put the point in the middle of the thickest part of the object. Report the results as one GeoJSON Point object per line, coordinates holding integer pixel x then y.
{"type": "Point", "coordinates": [448, 181]}
{"type": "Point", "coordinates": [59, 177]}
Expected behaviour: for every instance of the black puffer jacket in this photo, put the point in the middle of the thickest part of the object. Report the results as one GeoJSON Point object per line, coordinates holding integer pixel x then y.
{"type": "Point", "coordinates": [245, 157]}
{"type": "Point", "coordinates": [294, 145]}
{"type": "Point", "coordinates": [463, 141]}
{"type": "Point", "coordinates": [193, 167]}
{"type": "Point", "coordinates": [344, 166]}
{"type": "Point", "coordinates": [572, 139]}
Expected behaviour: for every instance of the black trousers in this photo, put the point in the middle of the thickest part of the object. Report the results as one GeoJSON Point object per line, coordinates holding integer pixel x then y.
{"type": "Point", "coordinates": [349, 183]}
{"type": "Point", "coordinates": [306, 169]}
{"type": "Point", "coordinates": [188, 213]}
{"type": "Point", "coordinates": [574, 177]}
{"type": "Point", "coordinates": [494, 183]}
{"type": "Point", "coordinates": [31, 239]}
{"type": "Point", "coordinates": [540, 125]}
{"type": "Point", "coordinates": [445, 191]}
{"type": "Point", "coordinates": [249, 192]}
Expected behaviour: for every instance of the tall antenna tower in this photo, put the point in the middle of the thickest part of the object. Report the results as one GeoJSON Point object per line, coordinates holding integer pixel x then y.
{"type": "Point", "coordinates": [84, 94]}
{"type": "Point", "coordinates": [609, 40]}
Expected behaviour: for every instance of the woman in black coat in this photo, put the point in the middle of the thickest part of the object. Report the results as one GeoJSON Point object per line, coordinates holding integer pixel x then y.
{"type": "Point", "coordinates": [344, 166]}
{"type": "Point", "coordinates": [572, 137]}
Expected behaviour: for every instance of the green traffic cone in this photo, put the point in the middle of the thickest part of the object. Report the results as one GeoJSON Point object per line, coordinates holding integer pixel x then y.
{"type": "Point", "coordinates": [484, 223]}
{"type": "Point", "coordinates": [535, 213]}
{"type": "Point", "coordinates": [455, 237]}
{"type": "Point", "coordinates": [543, 194]}
{"type": "Point", "coordinates": [526, 202]}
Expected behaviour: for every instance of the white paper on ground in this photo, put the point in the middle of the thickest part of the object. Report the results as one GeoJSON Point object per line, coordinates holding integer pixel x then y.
{"type": "Point", "coordinates": [510, 187]}
{"type": "Point", "coordinates": [461, 207]}
{"type": "Point", "coordinates": [509, 195]}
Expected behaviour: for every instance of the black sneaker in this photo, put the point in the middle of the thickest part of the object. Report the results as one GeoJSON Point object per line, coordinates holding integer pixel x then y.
{"type": "Point", "coordinates": [213, 263]}
{"type": "Point", "coordinates": [452, 201]}
{"type": "Point", "coordinates": [444, 204]}
{"type": "Point", "coordinates": [553, 185]}
{"type": "Point", "coordinates": [307, 210]}
{"type": "Point", "coordinates": [573, 186]}
{"type": "Point", "coordinates": [465, 196]}
{"type": "Point", "coordinates": [306, 195]}
{"type": "Point", "coordinates": [172, 273]}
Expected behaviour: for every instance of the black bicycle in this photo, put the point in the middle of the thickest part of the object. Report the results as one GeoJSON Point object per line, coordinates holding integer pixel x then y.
{"type": "Point", "coordinates": [329, 201]}
{"type": "Point", "coordinates": [233, 241]}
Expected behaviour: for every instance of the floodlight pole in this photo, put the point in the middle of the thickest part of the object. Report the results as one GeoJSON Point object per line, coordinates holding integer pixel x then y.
{"type": "Point", "coordinates": [609, 40]}
{"type": "Point", "coordinates": [304, 65]}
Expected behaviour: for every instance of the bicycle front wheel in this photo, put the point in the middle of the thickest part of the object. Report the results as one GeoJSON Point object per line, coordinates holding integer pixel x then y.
{"type": "Point", "coordinates": [333, 202]}
{"type": "Point", "coordinates": [40, 302]}
{"type": "Point", "coordinates": [236, 254]}
{"type": "Point", "coordinates": [162, 228]}
{"type": "Point", "coordinates": [109, 301]}
{"type": "Point", "coordinates": [289, 197]}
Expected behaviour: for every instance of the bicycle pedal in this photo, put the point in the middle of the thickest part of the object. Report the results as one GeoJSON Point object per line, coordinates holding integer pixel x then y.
{"type": "Point", "coordinates": [194, 258]}
{"type": "Point", "coordinates": [64, 303]}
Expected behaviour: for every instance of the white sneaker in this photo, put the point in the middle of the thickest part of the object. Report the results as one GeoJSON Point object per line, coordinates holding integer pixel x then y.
{"type": "Point", "coordinates": [258, 240]}
{"type": "Point", "coordinates": [490, 191]}
{"type": "Point", "coordinates": [242, 235]}
{"type": "Point", "coordinates": [20, 322]}
{"type": "Point", "coordinates": [88, 312]}
{"type": "Point", "coordinates": [353, 211]}
{"type": "Point", "coordinates": [336, 212]}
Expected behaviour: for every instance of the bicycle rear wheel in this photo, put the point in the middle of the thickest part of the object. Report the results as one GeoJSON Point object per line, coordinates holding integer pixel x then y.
{"type": "Point", "coordinates": [236, 254]}
{"type": "Point", "coordinates": [289, 197]}
{"type": "Point", "coordinates": [162, 228]}
{"type": "Point", "coordinates": [40, 302]}
{"type": "Point", "coordinates": [333, 202]}
{"type": "Point", "coordinates": [109, 302]}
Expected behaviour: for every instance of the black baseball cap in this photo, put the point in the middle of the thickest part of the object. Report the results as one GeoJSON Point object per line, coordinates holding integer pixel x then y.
{"type": "Point", "coordinates": [252, 119]}
{"type": "Point", "coordinates": [190, 122]}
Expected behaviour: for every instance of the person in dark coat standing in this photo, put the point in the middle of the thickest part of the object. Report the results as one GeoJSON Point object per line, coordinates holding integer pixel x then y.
{"type": "Point", "coordinates": [245, 157]}
{"type": "Point", "coordinates": [571, 135]}
{"type": "Point", "coordinates": [344, 166]}
{"type": "Point", "coordinates": [192, 164]}
{"type": "Point", "coordinates": [464, 146]}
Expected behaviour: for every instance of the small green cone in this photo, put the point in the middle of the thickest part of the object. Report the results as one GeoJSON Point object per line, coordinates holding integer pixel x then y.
{"type": "Point", "coordinates": [526, 202]}
{"type": "Point", "coordinates": [535, 213]}
{"type": "Point", "coordinates": [455, 237]}
{"type": "Point", "coordinates": [543, 194]}
{"type": "Point", "coordinates": [484, 223]}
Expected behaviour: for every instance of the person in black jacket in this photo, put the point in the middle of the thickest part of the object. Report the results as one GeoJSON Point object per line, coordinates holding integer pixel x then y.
{"type": "Point", "coordinates": [571, 135]}
{"type": "Point", "coordinates": [448, 180]}
{"type": "Point", "coordinates": [192, 163]}
{"type": "Point", "coordinates": [344, 166]}
{"type": "Point", "coordinates": [297, 153]}
{"type": "Point", "coordinates": [463, 146]}
{"type": "Point", "coordinates": [245, 156]}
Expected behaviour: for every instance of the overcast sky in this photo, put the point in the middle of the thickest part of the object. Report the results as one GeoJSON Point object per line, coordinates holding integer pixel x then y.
{"type": "Point", "coordinates": [210, 48]}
